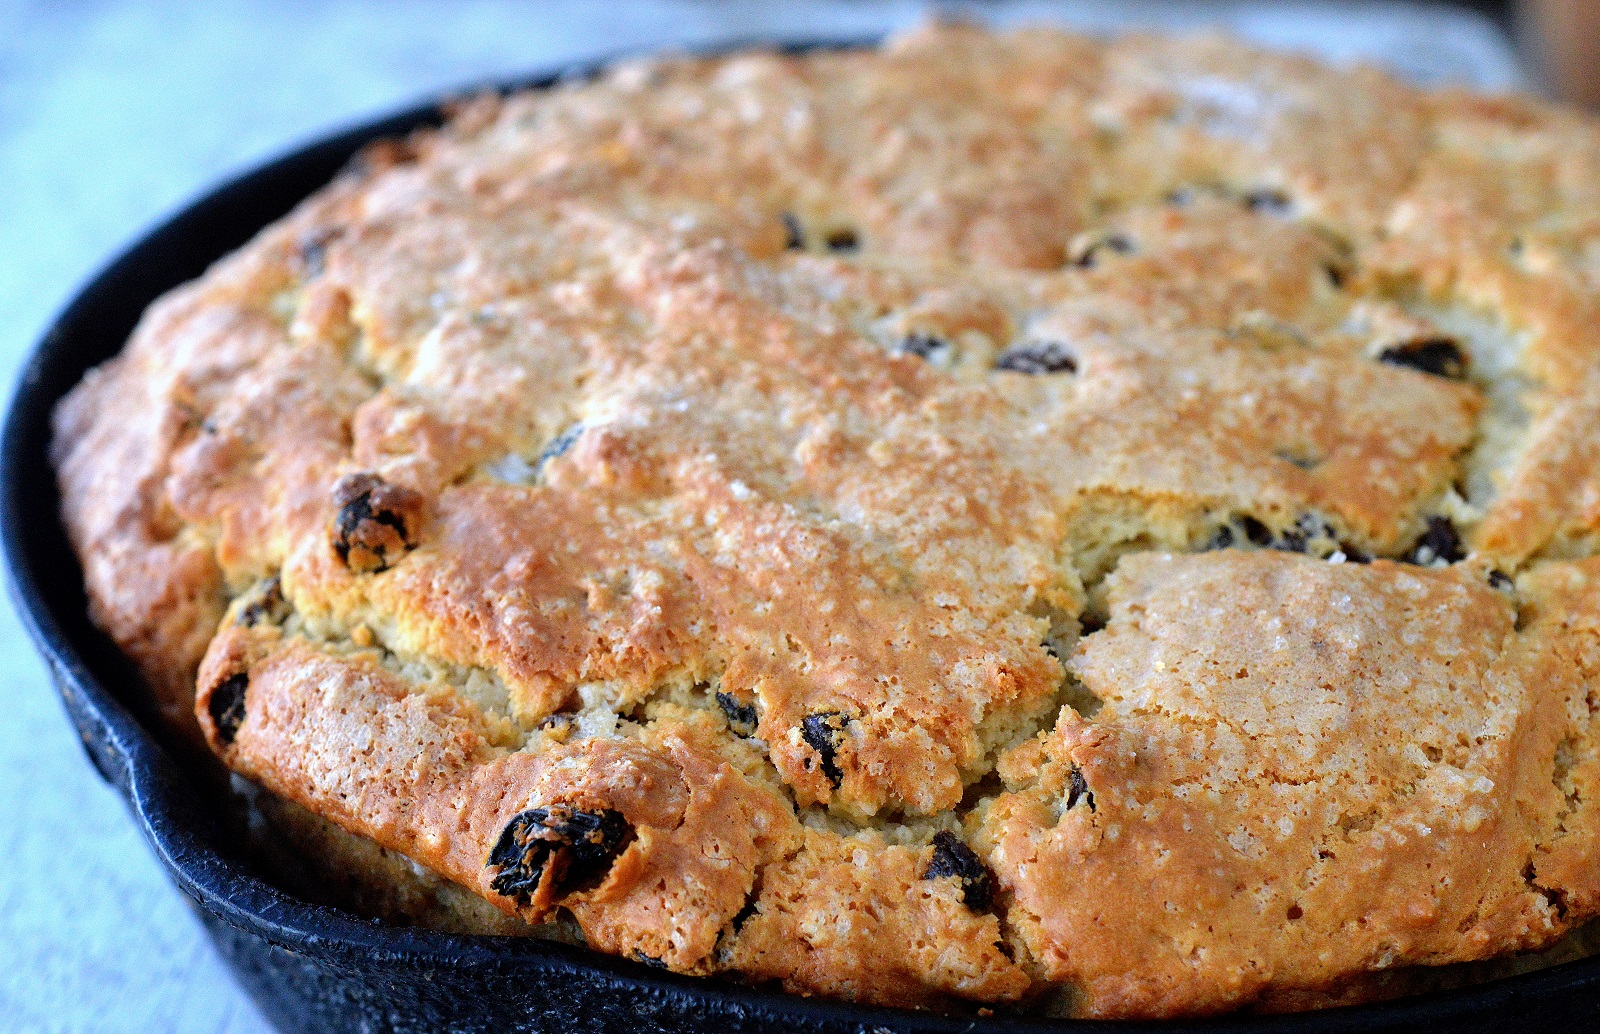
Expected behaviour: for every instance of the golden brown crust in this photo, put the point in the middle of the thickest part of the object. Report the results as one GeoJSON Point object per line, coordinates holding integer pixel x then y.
{"type": "Point", "coordinates": [679, 502]}
{"type": "Point", "coordinates": [1301, 770]}
{"type": "Point", "coordinates": [856, 918]}
{"type": "Point", "coordinates": [420, 774]}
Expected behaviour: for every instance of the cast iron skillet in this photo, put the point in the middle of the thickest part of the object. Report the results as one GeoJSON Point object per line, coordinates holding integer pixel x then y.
{"type": "Point", "coordinates": [314, 968]}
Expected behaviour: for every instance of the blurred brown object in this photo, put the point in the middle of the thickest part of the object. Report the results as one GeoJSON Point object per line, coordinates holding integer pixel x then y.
{"type": "Point", "coordinates": [1563, 36]}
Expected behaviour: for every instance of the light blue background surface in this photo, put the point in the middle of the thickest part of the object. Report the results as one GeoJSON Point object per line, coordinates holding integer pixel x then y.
{"type": "Point", "coordinates": [114, 113]}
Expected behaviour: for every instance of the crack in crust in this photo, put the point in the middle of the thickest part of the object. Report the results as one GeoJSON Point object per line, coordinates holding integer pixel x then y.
{"type": "Point", "coordinates": [633, 515]}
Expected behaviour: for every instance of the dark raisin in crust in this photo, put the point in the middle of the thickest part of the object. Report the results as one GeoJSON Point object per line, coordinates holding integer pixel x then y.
{"type": "Point", "coordinates": [951, 857]}
{"type": "Point", "coordinates": [823, 733]}
{"type": "Point", "coordinates": [266, 605]}
{"type": "Point", "coordinates": [1116, 243]}
{"type": "Point", "coordinates": [1255, 531]}
{"type": "Point", "coordinates": [226, 705]}
{"type": "Point", "coordinates": [794, 238]}
{"type": "Point", "coordinates": [374, 524]}
{"type": "Point", "coordinates": [742, 718]}
{"type": "Point", "coordinates": [1036, 357]}
{"type": "Point", "coordinates": [1309, 534]}
{"type": "Point", "coordinates": [923, 346]}
{"type": "Point", "coordinates": [1439, 542]}
{"type": "Point", "coordinates": [1078, 790]}
{"type": "Point", "coordinates": [1266, 200]}
{"type": "Point", "coordinates": [1438, 356]}
{"type": "Point", "coordinates": [1308, 528]}
{"type": "Point", "coordinates": [1293, 540]}
{"type": "Point", "coordinates": [843, 241]}
{"type": "Point", "coordinates": [576, 847]}
{"type": "Point", "coordinates": [1355, 554]}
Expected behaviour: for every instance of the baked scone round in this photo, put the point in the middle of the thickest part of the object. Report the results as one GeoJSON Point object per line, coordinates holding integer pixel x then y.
{"type": "Point", "coordinates": [1106, 526]}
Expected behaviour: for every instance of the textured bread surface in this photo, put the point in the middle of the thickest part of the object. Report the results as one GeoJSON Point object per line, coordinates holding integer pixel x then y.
{"type": "Point", "coordinates": [1093, 526]}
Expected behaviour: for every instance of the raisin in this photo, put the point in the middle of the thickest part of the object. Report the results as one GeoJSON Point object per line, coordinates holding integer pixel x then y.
{"type": "Point", "coordinates": [1116, 243]}
{"type": "Point", "coordinates": [1078, 790]}
{"type": "Point", "coordinates": [1298, 460]}
{"type": "Point", "coordinates": [1354, 554]}
{"type": "Point", "coordinates": [1337, 276]}
{"type": "Point", "coordinates": [1500, 580]}
{"type": "Point", "coordinates": [1267, 201]}
{"type": "Point", "coordinates": [742, 718]}
{"type": "Point", "coordinates": [227, 705]}
{"type": "Point", "coordinates": [1035, 357]}
{"type": "Point", "coordinates": [1255, 531]}
{"type": "Point", "coordinates": [794, 238]}
{"type": "Point", "coordinates": [1292, 540]}
{"type": "Point", "coordinates": [842, 241]}
{"type": "Point", "coordinates": [1439, 356]}
{"type": "Point", "coordinates": [266, 605]}
{"type": "Point", "coordinates": [824, 733]}
{"type": "Point", "coordinates": [577, 847]}
{"type": "Point", "coordinates": [923, 346]}
{"type": "Point", "coordinates": [1308, 535]}
{"type": "Point", "coordinates": [521, 859]}
{"type": "Point", "coordinates": [951, 857]}
{"type": "Point", "coordinates": [372, 528]}
{"type": "Point", "coordinates": [648, 960]}
{"type": "Point", "coordinates": [1439, 542]}
{"type": "Point", "coordinates": [1307, 530]}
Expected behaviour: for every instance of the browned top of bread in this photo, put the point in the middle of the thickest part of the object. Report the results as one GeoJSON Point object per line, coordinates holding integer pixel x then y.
{"type": "Point", "coordinates": [1104, 525]}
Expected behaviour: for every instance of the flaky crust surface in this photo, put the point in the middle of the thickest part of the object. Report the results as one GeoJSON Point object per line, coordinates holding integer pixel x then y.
{"type": "Point", "coordinates": [1105, 526]}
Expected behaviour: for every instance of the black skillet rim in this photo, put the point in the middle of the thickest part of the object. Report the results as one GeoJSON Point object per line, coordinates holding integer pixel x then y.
{"type": "Point", "coordinates": [45, 584]}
